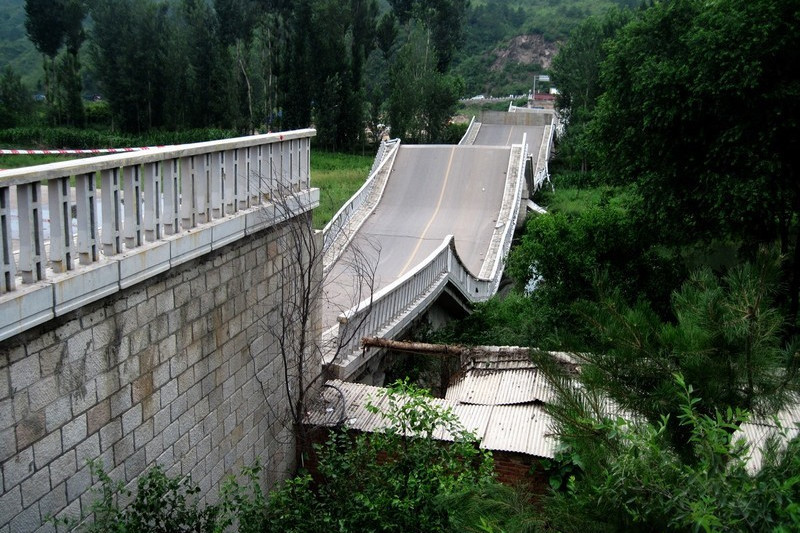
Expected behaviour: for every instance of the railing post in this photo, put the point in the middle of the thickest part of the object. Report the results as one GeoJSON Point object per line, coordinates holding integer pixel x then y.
{"type": "Point", "coordinates": [31, 239]}
{"type": "Point", "coordinates": [109, 193]}
{"type": "Point", "coordinates": [228, 183]}
{"type": "Point", "coordinates": [152, 201]}
{"type": "Point", "coordinates": [85, 192]}
{"type": "Point", "coordinates": [132, 194]}
{"type": "Point", "coordinates": [252, 180]}
{"type": "Point", "coordinates": [187, 207]}
{"type": "Point", "coordinates": [201, 187]}
{"type": "Point", "coordinates": [60, 205]}
{"type": "Point", "coordinates": [9, 270]}
{"type": "Point", "coordinates": [215, 186]}
{"type": "Point", "coordinates": [240, 176]}
{"type": "Point", "coordinates": [169, 171]}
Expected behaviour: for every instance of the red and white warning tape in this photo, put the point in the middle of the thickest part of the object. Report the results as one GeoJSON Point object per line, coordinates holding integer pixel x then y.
{"type": "Point", "coordinates": [75, 152]}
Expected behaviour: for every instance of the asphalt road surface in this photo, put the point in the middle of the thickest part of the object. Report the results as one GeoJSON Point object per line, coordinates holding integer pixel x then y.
{"type": "Point", "coordinates": [504, 135]}
{"type": "Point", "coordinates": [433, 191]}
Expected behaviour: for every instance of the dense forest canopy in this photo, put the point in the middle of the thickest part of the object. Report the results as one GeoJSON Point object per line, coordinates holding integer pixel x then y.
{"type": "Point", "coordinates": [246, 64]}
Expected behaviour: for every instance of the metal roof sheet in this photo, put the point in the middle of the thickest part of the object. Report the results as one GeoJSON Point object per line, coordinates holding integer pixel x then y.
{"type": "Point", "coordinates": [499, 387]}
{"type": "Point", "coordinates": [522, 428]}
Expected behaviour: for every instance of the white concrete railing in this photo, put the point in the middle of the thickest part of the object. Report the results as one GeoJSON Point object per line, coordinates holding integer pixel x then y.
{"type": "Point", "coordinates": [421, 285]}
{"type": "Point", "coordinates": [192, 199]}
{"type": "Point", "coordinates": [543, 173]}
{"type": "Point", "coordinates": [466, 139]}
{"type": "Point", "coordinates": [340, 220]}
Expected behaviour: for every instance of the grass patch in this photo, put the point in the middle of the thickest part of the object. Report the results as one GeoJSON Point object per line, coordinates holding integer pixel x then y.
{"type": "Point", "coordinates": [338, 177]}
{"type": "Point", "coordinates": [574, 201]}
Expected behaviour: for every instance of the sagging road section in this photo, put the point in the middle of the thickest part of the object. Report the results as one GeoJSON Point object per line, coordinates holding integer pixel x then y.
{"type": "Point", "coordinates": [433, 191]}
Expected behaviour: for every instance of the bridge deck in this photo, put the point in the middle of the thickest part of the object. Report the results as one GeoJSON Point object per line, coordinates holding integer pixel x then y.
{"type": "Point", "coordinates": [433, 191]}
{"type": "Point", "coordinates": [506, 135]}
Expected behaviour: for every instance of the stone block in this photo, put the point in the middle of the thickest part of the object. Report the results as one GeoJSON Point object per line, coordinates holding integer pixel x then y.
{"type": "Point", "coordinates": [50, 358]}
{"type": "Point", "coordinates": [78, 483]}
{"type": "Point", "coordinates": [63, 467]}
{"type": "Point", "coordinates": [169, 392]}
{"type": "Point", "coordinates": [161, 375]}
{"type": "Point", "coordinates": [30, 429]}
{"type": "Point", "coordinates": [140, 339]}
{"type": "Point", "coordinates": [153, 449]}
{"type": "Point", "coordinates": [8, 443]}
{"type": "Point", "coordinates": [110, 434]}
{"type": "Point", "coordinates": [131, 419]}
{"type": "Point", "coordinates": [6, 414]}
{"type": "Point", "coordinates": [53, 502]}
{"type": "Point", "coordinates": [98, 416]}
{"type": "Point", "coordinates": [84, 397]}
{"type": "Point", "coordinates": [79, 345]}
{"type": "Point", "coordinates": [74, 432]}
{"type": "Point", "coordinates": [161, 420]}
{"type": "Point", "coordinates": [178, 407]}
{"type": "Point", "coordinates": [35, 487]}
{"type": "Point", "coordinates": [135, 465]}
{"type": "Point", "coordinates": [10, 503]}
{"type": "Point", "coordinates": [18, 468]}
{"type": "Point", "coordinates": [123, 449]}
{"type": "Point", "coordinates": [24, 373]}
{"type": "Point", "coordinates": [142, 387]}
{"type": "Point", "coordinates": [43, 392]}
{"type": "Point", "coordinates": [87, 450]}
{"type": "Point", "coordinates": [129, 368]}
{"type": "Point", "coordinates": [171, 434]}
{"type": "Point", "coordinates": [120, 401]}
{"type": "Point", "coordinates": [143, 434]}
{"type": "Point", "coordinates": [27, 521]}
{"type": "Point", "coordinates": [107, 384]}
{"type": "Point", "coordinates": [47, 449]}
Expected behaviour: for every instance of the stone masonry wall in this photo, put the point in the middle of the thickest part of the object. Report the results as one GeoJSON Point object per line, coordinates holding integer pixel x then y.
{"type": "Point", "coordinates": [181, 370]}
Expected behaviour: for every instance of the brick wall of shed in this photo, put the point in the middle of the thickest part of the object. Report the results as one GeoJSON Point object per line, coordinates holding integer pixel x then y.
{"type": "Point", "coordinates": [181, 370]}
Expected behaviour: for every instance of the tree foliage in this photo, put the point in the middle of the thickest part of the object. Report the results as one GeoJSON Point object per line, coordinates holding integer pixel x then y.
{"type": "Point", "coordinates": [631, 478]}
{"type": "Point", "coordinates": [682, 116]}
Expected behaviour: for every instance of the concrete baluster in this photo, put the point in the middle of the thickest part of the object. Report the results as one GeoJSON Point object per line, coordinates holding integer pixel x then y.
{"type": "Point", "coordinates": [217, 178]}
{"type": "Point", "coordinates": [201, 187]}
{"type": "Point", "coordinates": [240, 173]}
{"type": "Point", "coordinates": [60, 204]}
{"type": "Point", "coordinates": [261, 172]}
{"type": "Point", "coordinates": [8, 267]}
{"type": "Point", "coordinates": [251, 162]}
{"type": "Point", "coordinates": [187, 199]}
{"type": "Point", "coordinates": [169, 183]}
{"type": "Point", "coordinates": [31, 240]}
{"type": "Point", "coordinates": [305, 163]}
{"type": "Point", "coordinates": [274, 171]}
{"type": "Point", "coordinates": [132, 194]}
{"type": "Point", "coordinates": [152, 201]}
{"type": "Point", "coordinates": [229, 183]}
{"type": "Point", "coordinates": [110, 195]}
{"type": "Point", "coordinates": [85, 207]}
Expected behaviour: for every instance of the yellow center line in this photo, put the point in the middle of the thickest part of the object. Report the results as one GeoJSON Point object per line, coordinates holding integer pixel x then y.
{"type": "Point", "coordinates": [510, 133]}
{"type": "Point", "coordinates": [435, 213]}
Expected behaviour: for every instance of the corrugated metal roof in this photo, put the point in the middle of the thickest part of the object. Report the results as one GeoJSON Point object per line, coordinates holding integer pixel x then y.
{"type": "Point", "coordinates": [499, 387]}
{"type": "Point", "coordinates": [784, 426]}
{"type": "Point", "coordinates": [522, 428]}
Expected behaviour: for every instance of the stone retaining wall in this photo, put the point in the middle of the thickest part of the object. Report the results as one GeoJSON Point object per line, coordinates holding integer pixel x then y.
{"type": "Point", "coordinates": [182, 370]}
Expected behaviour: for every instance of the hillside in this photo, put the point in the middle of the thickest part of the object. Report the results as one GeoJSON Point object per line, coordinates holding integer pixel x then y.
{"type": "Point", "coordinates": [506, 40]}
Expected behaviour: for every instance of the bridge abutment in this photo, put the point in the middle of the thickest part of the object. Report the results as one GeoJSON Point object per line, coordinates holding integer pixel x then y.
{"type": "Point", "coordinates": [182, 368]}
